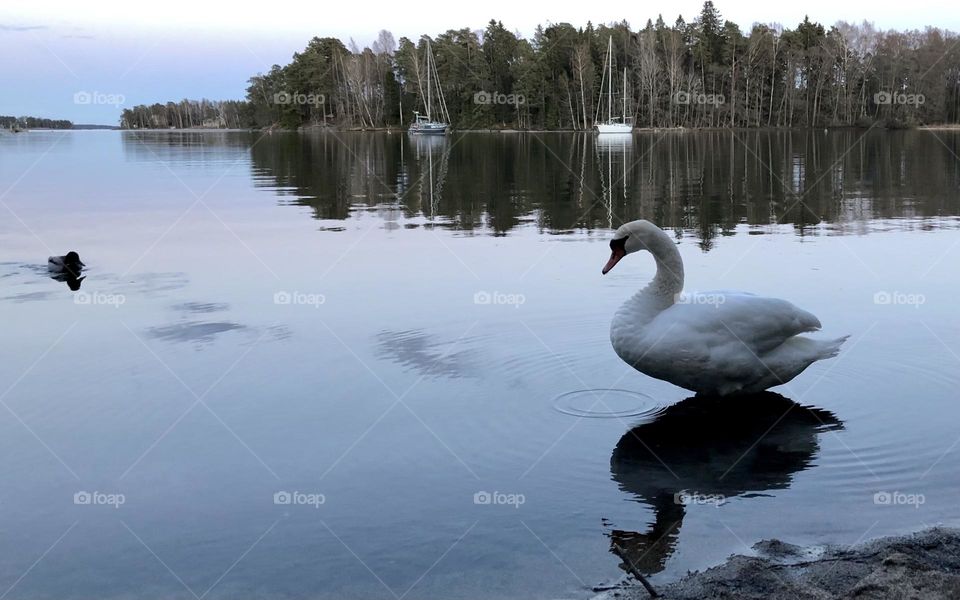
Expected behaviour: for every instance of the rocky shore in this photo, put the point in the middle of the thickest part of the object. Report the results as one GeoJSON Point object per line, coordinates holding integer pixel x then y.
{"type": "Point", "coordinates": [924, 565]}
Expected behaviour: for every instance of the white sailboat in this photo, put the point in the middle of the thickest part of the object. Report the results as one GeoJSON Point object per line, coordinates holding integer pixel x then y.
{"type": "Point", "coordinates": [425, 124]}
{"type": "Point", "coordinates": [613, 124]}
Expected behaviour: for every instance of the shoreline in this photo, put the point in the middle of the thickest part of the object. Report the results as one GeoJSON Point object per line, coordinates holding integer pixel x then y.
{"type": "Point", "coordinates": [322, 129]}
{"type": "Point", "coordinates": [924, 565]}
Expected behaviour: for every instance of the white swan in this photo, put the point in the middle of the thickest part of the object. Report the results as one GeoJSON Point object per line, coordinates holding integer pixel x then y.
{"type": "Point", "coordinates": [715, 343]}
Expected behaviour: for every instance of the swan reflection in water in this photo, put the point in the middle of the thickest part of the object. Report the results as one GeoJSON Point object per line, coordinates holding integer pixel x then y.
{"type": "Point", "coordinates": [712, 448]}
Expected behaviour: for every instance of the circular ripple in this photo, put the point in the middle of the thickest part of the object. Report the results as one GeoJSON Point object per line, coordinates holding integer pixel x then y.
{"type": "Point", "coordinates": [607, 404]}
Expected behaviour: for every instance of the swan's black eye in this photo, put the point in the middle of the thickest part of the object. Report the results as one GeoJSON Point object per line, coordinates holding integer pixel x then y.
{"type": "Point", "coordinates": [620, 244]}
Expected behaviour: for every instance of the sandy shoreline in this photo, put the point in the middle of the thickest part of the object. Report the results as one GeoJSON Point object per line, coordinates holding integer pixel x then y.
{"type": "Point", "coordinates": [922, 565]}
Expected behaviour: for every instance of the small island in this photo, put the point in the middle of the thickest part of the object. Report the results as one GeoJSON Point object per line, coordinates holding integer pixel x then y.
{"type": "Point", "coordinates": [17, 124]}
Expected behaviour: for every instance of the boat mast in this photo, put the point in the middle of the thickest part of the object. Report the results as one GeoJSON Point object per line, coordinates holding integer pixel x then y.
{"type": "Point", "coordinates": [610, 84]}
{"type": "Point", "coordinates": [441, 101]}
{"type": "Point", "coordinates": [624, 95]}
{"type": "Point", "coordinates": [429, 77]}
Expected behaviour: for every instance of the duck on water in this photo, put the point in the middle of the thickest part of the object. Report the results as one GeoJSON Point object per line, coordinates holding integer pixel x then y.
{"type": "Point", "coordinates": [67, 269]}
{"type": "Point", "coordinates": [68, 263]}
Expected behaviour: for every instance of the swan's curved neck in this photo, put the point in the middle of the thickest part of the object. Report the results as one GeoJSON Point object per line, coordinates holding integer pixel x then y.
{"type": "Point", "coordinates": [644, 306]}
{"type": "Point", "coordinates": [668, 281]}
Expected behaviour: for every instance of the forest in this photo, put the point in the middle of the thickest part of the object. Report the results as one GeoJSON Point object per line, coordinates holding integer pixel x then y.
{"type": "Point", "coordinates": [7, 122]}
{"type": "Point", "coordinates": [706, 73]}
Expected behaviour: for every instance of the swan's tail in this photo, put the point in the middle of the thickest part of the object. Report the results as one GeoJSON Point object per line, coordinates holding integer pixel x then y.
{"type": "Point", "coordinates": [831, 348]}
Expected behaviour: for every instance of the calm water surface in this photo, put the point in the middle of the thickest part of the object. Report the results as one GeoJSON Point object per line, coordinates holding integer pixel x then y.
{"type": "Point", "coordinates": [398, 327]}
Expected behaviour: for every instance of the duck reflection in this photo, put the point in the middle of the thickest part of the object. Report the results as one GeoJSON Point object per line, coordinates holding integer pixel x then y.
{"type": "Point", "coordinates": [73, 282]}
{"type": "Point", "coordinates": [712, 448]}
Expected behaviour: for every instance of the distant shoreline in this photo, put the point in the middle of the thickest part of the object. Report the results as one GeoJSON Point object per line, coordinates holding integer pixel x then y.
{"type": "Point", "coordinates": [327, 129]}
{"type": "Point", "coordinates": [947, 127]}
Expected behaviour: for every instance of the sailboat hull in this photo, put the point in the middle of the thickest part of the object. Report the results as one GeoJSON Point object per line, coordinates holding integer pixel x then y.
{"type": "Point", "coordinates": [428, 128]}
{"type": "Point", "coordinates": [614, 128]}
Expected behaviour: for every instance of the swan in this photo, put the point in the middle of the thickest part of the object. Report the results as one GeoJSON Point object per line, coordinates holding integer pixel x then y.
{"type": "Point", "coordinates": [715, 343]}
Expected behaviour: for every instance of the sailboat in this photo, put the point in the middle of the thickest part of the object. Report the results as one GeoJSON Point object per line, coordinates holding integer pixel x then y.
{"type": "Point", "coordinates": [425, 124]}
{"type": "Point", "coordinates": [613, 124]}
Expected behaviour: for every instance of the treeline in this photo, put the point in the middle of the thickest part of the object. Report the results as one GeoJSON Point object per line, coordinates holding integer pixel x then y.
{"type": "Point", "coordinates": [189, 114]}
{"type": "Point", "coordinates": [7, 122]}
{"type": "Point", "coordinates": [707, 73]}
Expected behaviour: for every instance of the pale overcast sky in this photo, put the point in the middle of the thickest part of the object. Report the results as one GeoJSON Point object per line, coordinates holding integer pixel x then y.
{"type": "Point", "coordinates": [143, 53]}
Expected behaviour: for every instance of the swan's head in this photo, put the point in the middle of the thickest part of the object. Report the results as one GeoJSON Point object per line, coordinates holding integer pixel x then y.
{"type": "Point", "coordinates": [629, 238]}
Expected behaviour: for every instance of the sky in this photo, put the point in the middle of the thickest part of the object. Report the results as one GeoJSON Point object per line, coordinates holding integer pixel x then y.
{"type": "Point", "coordinates": [86, 61]}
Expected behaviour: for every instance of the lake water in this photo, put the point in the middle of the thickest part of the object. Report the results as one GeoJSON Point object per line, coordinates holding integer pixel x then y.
{"type": "Point", "coordinates": [350, 365]}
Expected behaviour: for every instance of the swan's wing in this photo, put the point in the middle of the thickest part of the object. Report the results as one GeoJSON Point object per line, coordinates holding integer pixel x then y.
{"type": "Point", "coordinates": [716, 318]}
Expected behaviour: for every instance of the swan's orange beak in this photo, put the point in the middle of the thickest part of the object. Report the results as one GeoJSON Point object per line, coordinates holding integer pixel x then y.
{"type": "Point", "coordinates": [615, 257]}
